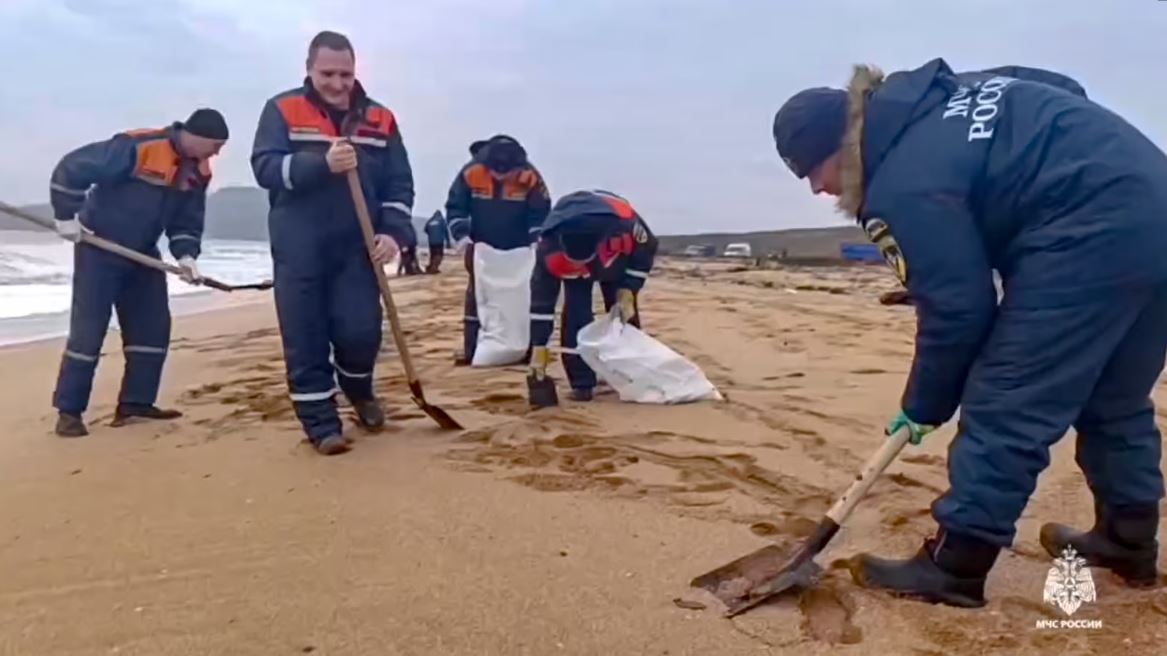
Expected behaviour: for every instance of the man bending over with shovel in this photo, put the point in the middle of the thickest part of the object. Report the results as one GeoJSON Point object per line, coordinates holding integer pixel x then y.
{"type": "Point", "coordinates": [144, 183]}
{"type": "Point", "coordinates": [589, 237]}
{"type": "Point", "coordinates": [953, 176]}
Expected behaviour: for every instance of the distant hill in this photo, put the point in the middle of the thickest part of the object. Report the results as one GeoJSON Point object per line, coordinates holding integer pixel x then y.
{"type": "Point", "coordinates": [241, 213]}
{"type": "Point", "coordinates": [798, 242]}
{"type": "Point", "coordinates": [238, 213]}
{"type": "Point", "coordinates": [232, 213]}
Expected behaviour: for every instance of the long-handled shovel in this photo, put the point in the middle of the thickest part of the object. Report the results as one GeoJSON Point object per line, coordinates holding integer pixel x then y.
{"type": "Point", "coordinates": [758, 576]}
{"type": "Point", "coordinates": [130, 254]}
{"type": "Point", "coordinates": [437, 414]}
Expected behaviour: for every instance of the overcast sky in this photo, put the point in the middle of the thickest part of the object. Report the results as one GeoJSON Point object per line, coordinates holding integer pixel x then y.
{"type": "Point", "coordinates": [668, 102]}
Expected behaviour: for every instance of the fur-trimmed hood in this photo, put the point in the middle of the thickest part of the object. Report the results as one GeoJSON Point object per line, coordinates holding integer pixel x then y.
{"type": "Point", "coordinates": [874, 127]}
{"type": "Point", "coordinates": [864, 81]}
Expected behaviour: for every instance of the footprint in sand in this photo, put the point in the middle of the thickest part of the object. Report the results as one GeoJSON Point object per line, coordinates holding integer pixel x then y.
{"type": "Point", "coordinates": [826, 616]}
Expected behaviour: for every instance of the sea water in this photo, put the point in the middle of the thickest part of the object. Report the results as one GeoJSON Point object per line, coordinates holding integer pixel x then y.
{"type": "Point", "coordinates": [36, 274]}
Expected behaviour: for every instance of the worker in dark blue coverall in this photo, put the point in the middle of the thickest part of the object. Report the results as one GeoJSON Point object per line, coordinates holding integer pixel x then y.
{"type": "Point", "coordinates": [1014, 170]}
{"type": "Point", "coordinates": [589, 237]}
{"type": "Point", "coordinates": [498, 198]}
{"type": "Point", "coordinates": [130, 189]}
{"type": "Point", "coordinates": [326, 291]}
{"type": "Point", "coordinates": [437, 234]}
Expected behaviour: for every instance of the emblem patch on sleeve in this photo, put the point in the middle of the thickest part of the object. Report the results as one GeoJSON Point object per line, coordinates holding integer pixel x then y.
{"type": "Point", "coordinates": [639, 233]}
{"type": "Point", "coordinates": [880, 234]}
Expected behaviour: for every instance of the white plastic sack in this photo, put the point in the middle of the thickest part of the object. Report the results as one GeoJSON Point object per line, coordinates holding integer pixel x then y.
{"type": "Point", "coordinates": [502, 289]}
{"type": "Point", "coordinates": [638, 367]}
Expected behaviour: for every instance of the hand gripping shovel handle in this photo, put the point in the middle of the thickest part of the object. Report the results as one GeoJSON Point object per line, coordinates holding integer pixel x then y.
{"type": "Point", "coordinates": [440, 416]}
{"type": "Point", "coordinates": [128, 253]}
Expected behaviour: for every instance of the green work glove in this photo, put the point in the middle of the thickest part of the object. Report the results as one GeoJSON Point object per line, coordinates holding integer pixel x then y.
{"type": "Point", "coordinates": [918, 430]}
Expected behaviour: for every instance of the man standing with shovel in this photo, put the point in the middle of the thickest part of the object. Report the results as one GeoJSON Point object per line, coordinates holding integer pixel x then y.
{"type": "Point", "coordinates": [955, 176]}
{"type": "Point", "coordinates": [130, 189]}
{"type": "Point", "coordinates": [327, 294]}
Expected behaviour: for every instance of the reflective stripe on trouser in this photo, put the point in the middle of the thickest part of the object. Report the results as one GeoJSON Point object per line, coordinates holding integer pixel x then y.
{"type": "Point", "coordinates": [1091, 365]}
{"type": "Point", "coordinates": [101, 282]}
{"type": "Point", "coordinates": [470, 309]}
{"type": "Point", "coordinates": [334, 316]}
{"type": "Point", "coordinates": [577, 313]}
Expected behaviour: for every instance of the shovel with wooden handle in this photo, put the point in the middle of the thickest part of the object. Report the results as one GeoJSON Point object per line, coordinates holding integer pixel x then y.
{"type": "Point", "coordinates": [439, 415]}
{"type": "Point", "coordinates": [129, 253]}
{"type": "Point", "coordinates": [769, 571]}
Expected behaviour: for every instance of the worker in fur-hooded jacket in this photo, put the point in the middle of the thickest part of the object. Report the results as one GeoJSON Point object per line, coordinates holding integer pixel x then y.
{"type": "Point", "coordinates": [1013, 170]}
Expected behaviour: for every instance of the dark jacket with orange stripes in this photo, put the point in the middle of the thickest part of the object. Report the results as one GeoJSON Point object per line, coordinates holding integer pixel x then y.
{"type": "Point", "coordinates": [491, 204]}
{"type": "Point", "coordinates": [615, 247]}
{"type": "Point", "coordinates": [310, 205]}
{"type": "Point", "coordinates": [143, 187]}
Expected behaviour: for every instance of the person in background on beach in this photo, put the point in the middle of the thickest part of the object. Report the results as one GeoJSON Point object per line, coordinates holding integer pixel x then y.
{"type": "Point", "coordinates": [437, 233]}
{"type": "Point", "coordinates": [498, 198]}
{"type": "Point", "coordinates": [953, 176]}
{"type": "Point", "coordinates": [407, 265]}
{"type": "Point", "coordinates": [327, 298]}
{"type": "Point", "coordinates": [145, 183]}
{"type": "Point", "coordinates": [589, 237]}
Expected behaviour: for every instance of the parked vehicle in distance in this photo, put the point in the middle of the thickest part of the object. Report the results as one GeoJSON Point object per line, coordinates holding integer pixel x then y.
{"type": "Point", "coordinates": [738, 250]}
{"type": "Point", "coordinates": [700, 250]}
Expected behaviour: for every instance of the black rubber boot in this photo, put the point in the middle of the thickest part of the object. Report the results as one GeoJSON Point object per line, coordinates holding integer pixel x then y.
{"type": "Point", "coordinates": [331, 445]}
{"type": "Point", "coordinates": [1122, 540]}
{"type": "Point", "coordinates": [70, 426]}
{"type": "Point", "coordinates": [949, 569]}
{"type": "Point", "coordinates": [583, 394]}
{"type": "Point", "coordinates": [127, 411]}
{"type": "Point", "coordinates": [370, 414]}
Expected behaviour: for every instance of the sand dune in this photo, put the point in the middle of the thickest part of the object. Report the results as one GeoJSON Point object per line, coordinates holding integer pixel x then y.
{"type": "Point", "coordinates": [572, 530]}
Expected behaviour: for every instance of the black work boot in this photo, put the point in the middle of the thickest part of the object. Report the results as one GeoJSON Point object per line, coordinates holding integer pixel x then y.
{"type": "Point", "coordinates": [949, 569]}
{"type": "Point", "coordinates": [331, 445]}
{"type": "Point", "coordinates": [70, 426]}
{"type": "Point", "coordinates": [370, 414]}
{"type": "Point", "coordinates": [127, 411]}
{"type": "Point", "coordinates": [1122, 540]}
{"type": "Point", "coordinates": [583, 394]}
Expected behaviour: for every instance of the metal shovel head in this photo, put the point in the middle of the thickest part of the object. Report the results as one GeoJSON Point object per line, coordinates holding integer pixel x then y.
{"type": "Point", "coordinates": [758, 576]}
{"type": "Point", "coordinates": [541, 392]}
{"type": "Point", "coordinates": [443, 419]}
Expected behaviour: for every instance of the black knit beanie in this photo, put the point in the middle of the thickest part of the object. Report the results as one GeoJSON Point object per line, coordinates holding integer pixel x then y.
{"type": "Point", "coordinates": [207, 123]}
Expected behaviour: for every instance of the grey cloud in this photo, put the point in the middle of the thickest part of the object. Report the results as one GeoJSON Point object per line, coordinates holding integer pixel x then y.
{"type": "Point", "coordinates": [666, 101]}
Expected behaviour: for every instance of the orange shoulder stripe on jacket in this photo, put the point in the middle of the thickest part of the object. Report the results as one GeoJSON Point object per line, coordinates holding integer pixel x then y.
{"type": "Point", "coordinates": [157, 162]}
{"type": "Point", "coordinates": [622, 208]}
{"type": "Point", "coordinates": [382, 118]}
{"type": "Point", "coordinates": [480, 181]}
{"type": "Point", "coordinates": [302, 116]}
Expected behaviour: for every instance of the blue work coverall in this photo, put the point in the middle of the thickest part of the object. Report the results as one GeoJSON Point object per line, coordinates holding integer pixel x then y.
{"type": "Point", "coordinates": [1015, 170]}
{"type": "Point", "coordinates": [621, 258]}
{"type": "Point", "coordinates": [130, 189]}
{"type": "Point", "coordinates": [326, 292]}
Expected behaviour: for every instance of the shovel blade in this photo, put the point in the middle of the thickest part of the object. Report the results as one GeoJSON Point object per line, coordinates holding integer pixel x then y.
{"type": "Point", "coordinates": [441, 417]}
{"type": "Point", "coordinates": [758, 576]}
{"type": "Point", "coordinates": [541, 392]}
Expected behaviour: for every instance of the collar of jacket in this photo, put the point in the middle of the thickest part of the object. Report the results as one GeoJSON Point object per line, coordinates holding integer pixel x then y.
{"type": "Point", "coordinates": [865, 80]}
{"type": "Point", "coordinates": [357, 101]}
{"type": "Point", "coordinates": [172, 131]}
